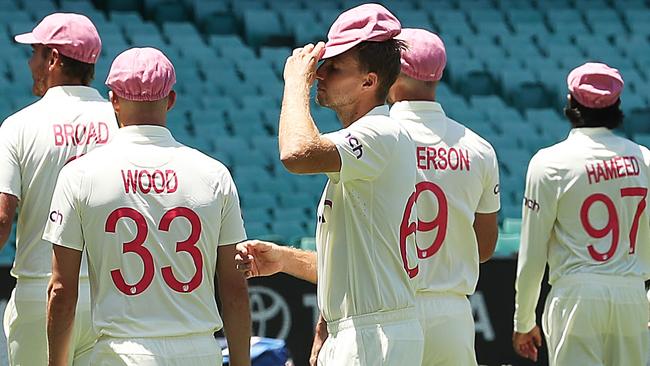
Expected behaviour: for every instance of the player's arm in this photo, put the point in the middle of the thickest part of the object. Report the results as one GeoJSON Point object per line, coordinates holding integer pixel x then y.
{"type": "Point", "coordinates": [67, 236]}
{"type": "Point", "coordinates": [538, 217]}
{"type": "Point", "coordinates": [62, 293]}
{"type": "Point", "coordinates": [233, 293]}
{"type": "Point", "coordinates": [10, 177]}
{"type": "Point", "coordinates": [486, 226]}
{"type": "Point", "coordinates": [486, 229]}
{"type": "Point", "coordinates": [302, 148]}
{"type": "Point", "coordinates": [8, 204]}
{"type": "Point", "coordinates": [257, 258]}
{"type": "Point", "coordinates": [320, 337]}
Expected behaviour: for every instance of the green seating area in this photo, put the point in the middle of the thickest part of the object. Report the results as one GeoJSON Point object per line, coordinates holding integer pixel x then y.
{"type": "Point", "coordinates": [505, 78]}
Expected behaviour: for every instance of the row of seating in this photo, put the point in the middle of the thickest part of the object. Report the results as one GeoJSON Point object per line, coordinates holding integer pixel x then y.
{"type": "Point", "coordinates": [505, 78]}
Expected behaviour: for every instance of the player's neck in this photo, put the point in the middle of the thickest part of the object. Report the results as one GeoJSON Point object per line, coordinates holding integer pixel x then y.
{"type": "Point", "coordinates": [350, 113]}
{"type": "Point", "coordinates": [58, 79]}
{"type": "Point", "coordinates": [419, 94]}
{"type": "Point", "coordinates": [138, 119]}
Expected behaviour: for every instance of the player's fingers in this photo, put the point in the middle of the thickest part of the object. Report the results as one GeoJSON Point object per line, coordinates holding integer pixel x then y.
{"type": "Point", "coordinates": [537, 338]}
{"type": "Point", "coordinates": [242, 249]}
{"type": "Point", "coordinates": [248, 274]}
{"type": "Point", "coordinates": [308, 48]}
{"type": "Point", "coordinates": [318, 51]}
{"type": "Point", "coordinates": [296, 51]}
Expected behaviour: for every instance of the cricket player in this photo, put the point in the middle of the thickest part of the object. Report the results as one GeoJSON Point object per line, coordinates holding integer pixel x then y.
{"type": "Point", "coordinates": [157, 220]}
{"type": "Point", "coordinates": [457, 199]}
{"type": "Point", "coordinates": [364, 294]}
{"type": "Point", "coordinates": [584, 212]}
{"type": "Point", "coordinates": [70, 119]}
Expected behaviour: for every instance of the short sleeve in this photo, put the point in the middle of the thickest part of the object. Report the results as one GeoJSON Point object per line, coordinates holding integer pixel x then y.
{"type": "Point", "coordinates": [63, 226]}
{"type": "Point", "coordinates": [232, 225]}
{"type": "Point", "coordinates": [365, 147]}
{"type": "Point", "coordinates": [10, 173]}
{"type": "Point", "coordinates": [490, 200]}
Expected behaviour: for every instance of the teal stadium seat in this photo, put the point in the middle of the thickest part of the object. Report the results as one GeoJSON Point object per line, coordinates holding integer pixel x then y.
{"type": "Point", "coordinates": [511, 225]}
{"type": "Point", "coordinates": [289, 231]}
{"type": "Point", "coordinates": [256, 230]}
{"type": "Point", "coordinates": [262, 27]}
{"type": "Point", "coordinates": [258, 215]}
{"type": "Point", "coordinates": [507, 245]}
{"type": "Point", "coordinates": [308, 243]}
{"type": "Point", "coordinates": [290, 214]}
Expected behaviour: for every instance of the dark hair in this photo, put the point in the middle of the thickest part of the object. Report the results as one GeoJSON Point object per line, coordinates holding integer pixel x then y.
{"type": "Point", "coordinates": [581, 116]}
{"type": "Point", "coordinates": [78, 70]}
{"type": "Point", "coordinates": [382, 58]}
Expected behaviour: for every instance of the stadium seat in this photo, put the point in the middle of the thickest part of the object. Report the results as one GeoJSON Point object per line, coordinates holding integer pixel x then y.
{"type": "Point", "coordinates": [507, 245]}
{"type": "Point", "coordinates": [289, 231]}
{"type": "Point", "coordinates": [511, 225]}
{"type": "Point", "coordinates": [308, 243]}
{"type": "Point", "coordinates": [262, 27]}
{"type": "Point", "coordinates": [256, 230]}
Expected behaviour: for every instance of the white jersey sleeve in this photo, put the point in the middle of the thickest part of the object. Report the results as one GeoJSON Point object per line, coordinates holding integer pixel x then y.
{"type": "Point", "coordinates": [232, 224]}
{"type": "Point", "coordinates": [365, 148]}
{"type": "Point", "coordinates": [64, 227]}
{"type": "Point", "coordinates": [538, 217]}
{"type": "Point", "coordinates": [490, 200]}
{"type": "Point", "coordinates": [9, 161]}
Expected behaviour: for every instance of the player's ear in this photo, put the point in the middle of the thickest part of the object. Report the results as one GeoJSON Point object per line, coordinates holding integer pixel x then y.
{"type": "Point", "coordinates": [54, 57]}
{"type": "Point", "coordinates": [171, 100]}
{"type": "Point", "coordinates": [115, 101]}
{"type": "Point", "coordinates": [371, 81]}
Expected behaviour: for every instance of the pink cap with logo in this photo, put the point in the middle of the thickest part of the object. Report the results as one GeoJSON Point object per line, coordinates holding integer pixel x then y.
{"type": "Point", "coordinates": [595, 85]}
{"type": "Point", "coordinates": [141, 75]}
{"type": "Point", "coordinates": [425, 58]}
{"type": "Point", "coordinates": [73, 35]}
{"type": "Point", "coordinates": [367, 22]}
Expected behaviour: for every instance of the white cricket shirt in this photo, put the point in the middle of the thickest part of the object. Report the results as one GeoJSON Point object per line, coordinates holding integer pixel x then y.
{"type": "Point", "coordinates": [360, 268]}
{"type": "Point", "coordinates": [458, 176]}
{"type": "Point", "coordinates": [35, 143]}
{"type": "Point", "coordinates": [584, 211]}
{"type": "Point", "coordinates": [150, 212]}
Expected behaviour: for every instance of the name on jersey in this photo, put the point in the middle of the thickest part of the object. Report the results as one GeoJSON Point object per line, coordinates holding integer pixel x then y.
{"type": "Point", "coordinates": [67, 134]}
{"type": "Point", "coordinates": [149, 181]}
{"type": "Point", "coordinates": [614, 168]}
{"type": "Point", "coordinates": [441, 158]}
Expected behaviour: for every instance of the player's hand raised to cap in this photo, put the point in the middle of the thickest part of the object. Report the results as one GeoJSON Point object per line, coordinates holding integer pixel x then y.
{"type": "Point", "coordinates": [301, 65]}
{"type": "Point", "coordinates": [257, 258]}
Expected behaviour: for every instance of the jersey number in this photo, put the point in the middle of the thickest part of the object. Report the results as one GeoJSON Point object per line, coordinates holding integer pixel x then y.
{"type": "Point", "coordinates": [136, 246]}
{"type": "Point", "coordinates": [612, 225]}
{"type": "Point", "coordinates": [439, 222]}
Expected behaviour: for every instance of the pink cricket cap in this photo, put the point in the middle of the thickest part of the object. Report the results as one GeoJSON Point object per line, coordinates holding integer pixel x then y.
{"type": "Point", "coordinates": [367, 22]}
{"type": "Point", "coordinates": [141, 75]}
{"type": "Point", "coordinates": [595, 85]}
{"type": "Point", "coordinates": [73, 35]}
{"type": "Point", "coordinates": [425, 58]}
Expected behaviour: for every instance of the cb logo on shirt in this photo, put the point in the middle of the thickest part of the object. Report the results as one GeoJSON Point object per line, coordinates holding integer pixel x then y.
{"type": "Point", "coordinates": [56, 217]}
{"type": "Point", "coordinates": [356, 146]}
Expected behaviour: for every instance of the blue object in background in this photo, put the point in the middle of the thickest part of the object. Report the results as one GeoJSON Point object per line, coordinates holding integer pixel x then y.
{"type": "Point", "coordinates": [264, 352]}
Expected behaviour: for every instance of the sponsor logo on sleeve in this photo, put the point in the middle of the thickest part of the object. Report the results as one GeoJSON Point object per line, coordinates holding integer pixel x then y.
{"type": "Point", "coordinates": [56, 217]}
{"type": "Point", "coordinates": [355, 145]}
{"type": "Point", "coordinates": [531, 204]}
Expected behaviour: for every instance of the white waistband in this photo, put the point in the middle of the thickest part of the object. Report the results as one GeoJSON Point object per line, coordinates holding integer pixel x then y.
{"type": "Point", "coordinates": [578, 279]}
{"type": "Point", "coordinates": [381, 317]}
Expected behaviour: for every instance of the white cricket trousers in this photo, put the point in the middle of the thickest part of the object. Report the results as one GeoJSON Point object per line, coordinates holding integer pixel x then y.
{"type": "Point", "coordinates": [190, 350]}
{"type": "Point", "coordinates": [596, 320]}
{"type": "Point", "coordinates": [448, 327]}
{"type": "Point", "coordinates": [26, 330]}
{"type": "Point", "coordinates": [377, 339]}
